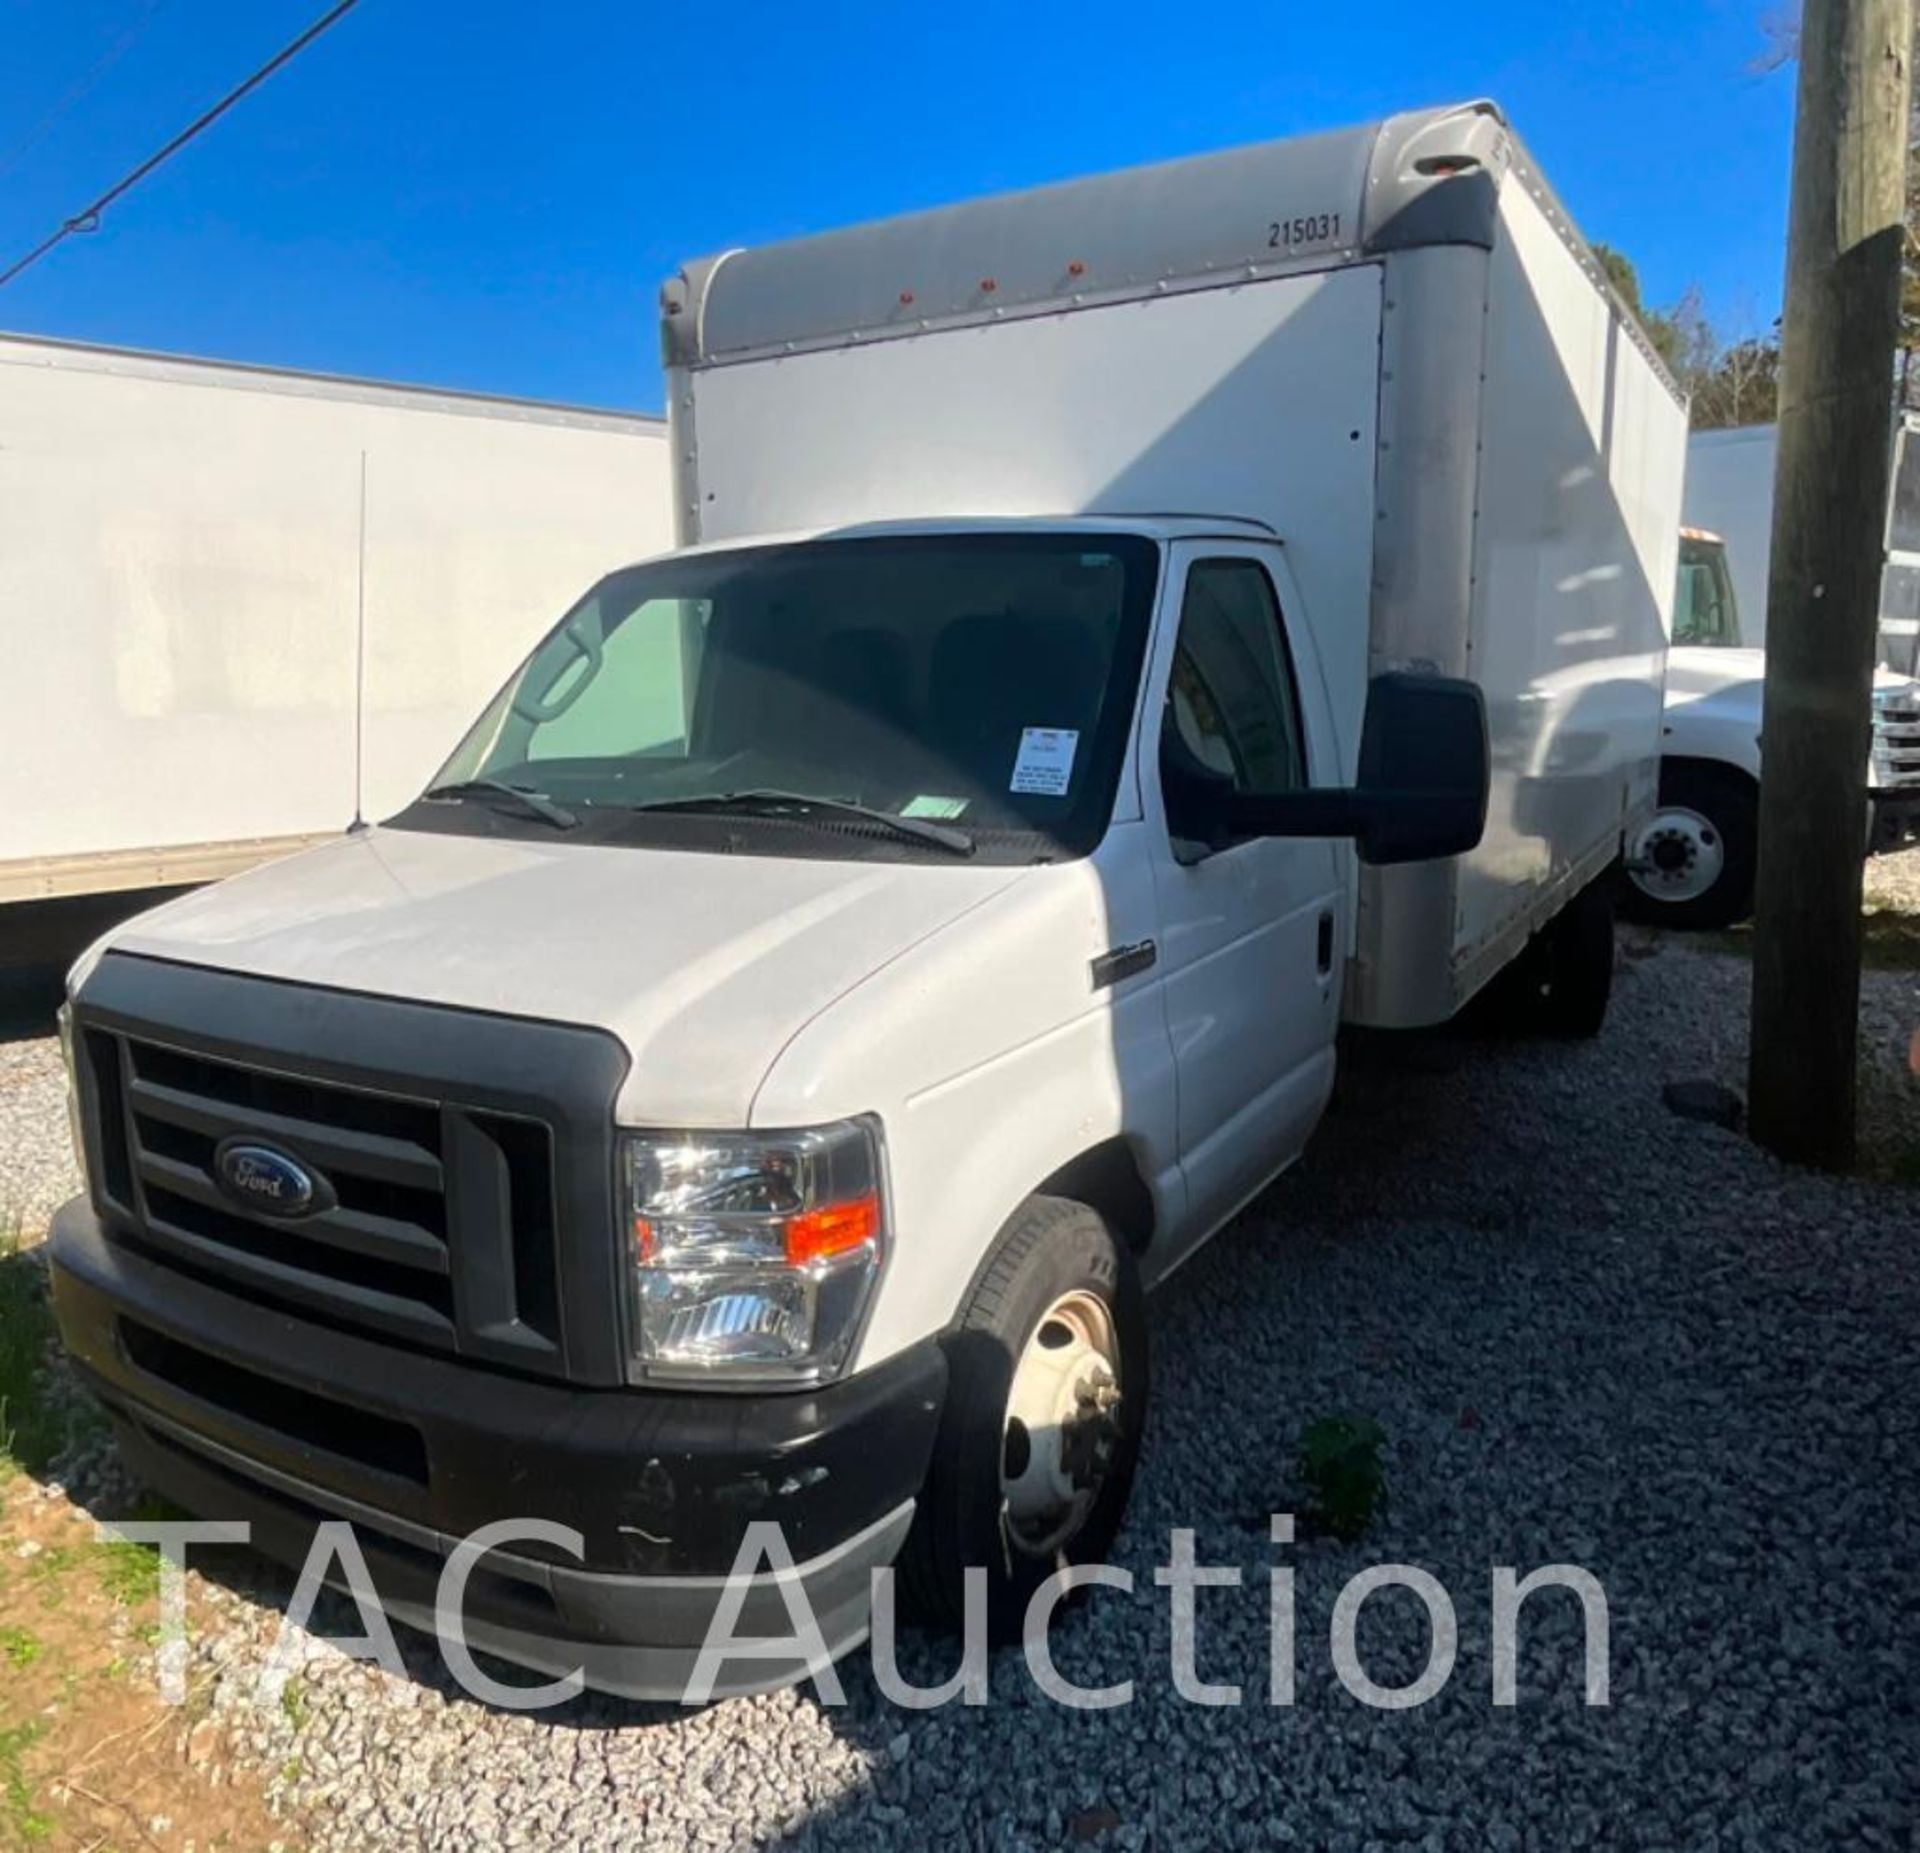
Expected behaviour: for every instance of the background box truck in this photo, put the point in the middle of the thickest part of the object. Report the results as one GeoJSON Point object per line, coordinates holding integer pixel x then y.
{"type": "Point", "coordinates": [1693, 863]}
{"type": "Point", "coordinates": [858, 953]}
{"type": "Point", "coordinates": [252, 604]}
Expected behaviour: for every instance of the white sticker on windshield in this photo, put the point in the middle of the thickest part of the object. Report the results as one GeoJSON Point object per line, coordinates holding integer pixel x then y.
{"type": "Point", "coordinates": [1045, 763]}
{"type": "Point", "coordinates": [928, 805]}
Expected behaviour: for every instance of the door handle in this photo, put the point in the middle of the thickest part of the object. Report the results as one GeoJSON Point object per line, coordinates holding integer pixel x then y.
{"type": "Point", "coordinates": [1325, 946]}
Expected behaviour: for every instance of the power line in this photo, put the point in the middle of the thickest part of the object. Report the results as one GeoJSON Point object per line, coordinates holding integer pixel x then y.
{"type": "Point", "coordinates": [88, 218]}
{"type": "Point", "coordinates": [108, 59]}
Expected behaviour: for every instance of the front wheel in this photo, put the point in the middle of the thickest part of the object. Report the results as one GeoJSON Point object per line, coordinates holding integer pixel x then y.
{"type": "Point", "coordinates": [1046, 1392]}
{"type": "Point", "coordinates": [1692, 865]}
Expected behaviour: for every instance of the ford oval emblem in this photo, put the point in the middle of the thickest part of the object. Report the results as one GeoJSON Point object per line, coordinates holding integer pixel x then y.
{"type": "Point", "coordinates": [266, 1180]}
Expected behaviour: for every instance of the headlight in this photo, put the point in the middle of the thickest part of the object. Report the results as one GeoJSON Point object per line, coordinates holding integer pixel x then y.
{"type": "Point", "coordinates": [753, 1255]}
{"type": "Point", "coordinates": [68, 1060]}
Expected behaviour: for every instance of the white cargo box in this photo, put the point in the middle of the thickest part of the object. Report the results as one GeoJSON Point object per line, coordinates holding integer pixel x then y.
{"type": "Point", "coordinates": [246, 603]}
{"type": "Point", "coordinates": [1388, 344]}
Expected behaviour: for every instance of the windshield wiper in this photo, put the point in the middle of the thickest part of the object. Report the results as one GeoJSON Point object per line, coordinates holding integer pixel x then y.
{"type": "Point", "coordinates": [525, 796]}
{"type": "Point", "coordinates": [942, 836]}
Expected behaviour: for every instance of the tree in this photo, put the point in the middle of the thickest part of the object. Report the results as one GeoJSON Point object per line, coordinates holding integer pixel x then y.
{"type": "Point", "coordinates": [1729, 382]}
{"type": "Point", "coordinates": [1782, 30]}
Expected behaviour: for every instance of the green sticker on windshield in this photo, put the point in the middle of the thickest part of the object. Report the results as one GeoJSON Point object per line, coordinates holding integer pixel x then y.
{"type": "Point", "coordinates": [925, 806]}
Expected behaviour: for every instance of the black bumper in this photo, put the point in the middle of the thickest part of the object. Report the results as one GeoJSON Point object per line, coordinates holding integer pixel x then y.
{"type": "Point", "coordinates": [235, 1410]}
{"type": "Point", "coordinates": [1896, 819]}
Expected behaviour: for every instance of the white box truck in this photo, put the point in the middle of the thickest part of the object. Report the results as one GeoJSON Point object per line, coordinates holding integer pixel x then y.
{"type": "Point", "coordinates": [1693, 863]}
{"type": "Point", "coordinates": [860, 952]}
{"type": "Point", "coordinates": [253, 604]}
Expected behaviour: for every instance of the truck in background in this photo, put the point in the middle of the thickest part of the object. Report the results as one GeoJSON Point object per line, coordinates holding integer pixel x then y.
{"type": "Point", "coordinates": [1120, 630]}
{"type": "Point", "coordinates": [253, 604]}
{"type": "Point", "coordinates": [1693, 865]}
{"type": "Point", "coordinates": [1729, 494]}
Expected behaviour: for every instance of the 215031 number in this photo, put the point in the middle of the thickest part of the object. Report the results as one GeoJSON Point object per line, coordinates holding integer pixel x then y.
{"type": "Point", "coordinates": [1308, 228]}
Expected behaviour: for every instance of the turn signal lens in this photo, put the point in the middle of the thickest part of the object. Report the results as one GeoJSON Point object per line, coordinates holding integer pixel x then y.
{"type": "Point", "coordinates": [818, 1235]}
{"type": "Point", "coordinates": [752, 1255]}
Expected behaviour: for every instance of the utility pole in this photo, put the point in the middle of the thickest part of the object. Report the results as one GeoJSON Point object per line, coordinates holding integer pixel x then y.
{"type": "Point", "coordinates": [1844, 238]}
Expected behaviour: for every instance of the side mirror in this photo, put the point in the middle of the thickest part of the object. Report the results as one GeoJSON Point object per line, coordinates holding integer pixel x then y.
{"type": "Point", "coordinates": [1422, 794]}
{"type": "Point", "coordinates": [1425, 766]}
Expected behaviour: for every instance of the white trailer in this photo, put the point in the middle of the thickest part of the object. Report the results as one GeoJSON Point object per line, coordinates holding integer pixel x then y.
{"type": "Point", "coordinates": [249, 605]}
{"type": "Point", "coordinates": [1729, 494]}
{"type": "Point", "coordinates": [863, 950]}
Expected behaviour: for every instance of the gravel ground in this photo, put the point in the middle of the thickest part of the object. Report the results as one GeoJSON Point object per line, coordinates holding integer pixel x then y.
{"type": "Point", "coordinates": [37, 1172]}
{"type": "Point", "coordinates": [1592, 1333]}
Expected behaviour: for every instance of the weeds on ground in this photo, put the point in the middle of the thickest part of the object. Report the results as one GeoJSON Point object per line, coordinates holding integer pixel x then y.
{"type": "Point", "coordinates": [30, 1430]}
{"type": "Point", "coordinates": [1343, 1464]}
{"type": "Point", "coordinates": [21, 1824]}
{"type": "Point", "coordinates": [1889, 940]}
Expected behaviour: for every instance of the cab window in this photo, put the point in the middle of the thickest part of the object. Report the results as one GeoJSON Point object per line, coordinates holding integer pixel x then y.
{"type": "Point", "coordinates": [1232, 703]}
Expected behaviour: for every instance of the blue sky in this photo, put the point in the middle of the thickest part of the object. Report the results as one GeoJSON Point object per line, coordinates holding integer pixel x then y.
{"type": "Point", "coordinates": [485, 195]}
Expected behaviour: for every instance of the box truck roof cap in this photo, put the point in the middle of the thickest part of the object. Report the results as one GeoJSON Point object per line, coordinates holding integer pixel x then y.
{"type": "Point", "coordinates": [1426, 177]}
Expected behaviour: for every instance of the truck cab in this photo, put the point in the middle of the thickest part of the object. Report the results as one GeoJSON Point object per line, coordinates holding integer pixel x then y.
{"type": "Point", "coordinates": [799, 909]}
{"type": "Point", "coordinates": [1693, 864]}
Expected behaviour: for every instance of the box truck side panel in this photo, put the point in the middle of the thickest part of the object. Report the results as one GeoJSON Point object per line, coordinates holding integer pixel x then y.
{"type": "Point", "coordinates": [1258, 400]}
{"type": "Point", "coordinates": [473, 550]}
{"type": "Point", "coordinates": [1729, 492]}
{"type": "Point", "coordinates": [1582, 451]}
{"type": "Point", "coordinates": [177, 576]}
{"type": "Point", "coordinates": [181, 577]}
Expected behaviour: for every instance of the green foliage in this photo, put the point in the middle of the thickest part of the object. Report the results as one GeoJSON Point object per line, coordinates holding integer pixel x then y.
{"type": "Point", "coordinates": [30, 1432]}
{"type": "Point", "coordinates": [20, 1823]}
{"type": "Point", "coordinates": [129, 1573]}
{"type": "Point", "coordinates": [1342, 1461]}
{"type": "Point", "coordinates": [1731, 381]}
{"type": "Point", "coordinates": [19, 1648]}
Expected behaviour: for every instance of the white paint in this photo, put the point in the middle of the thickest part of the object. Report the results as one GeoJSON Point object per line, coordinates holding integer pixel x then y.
{"type": "Point", "coordinates": [180, 573]}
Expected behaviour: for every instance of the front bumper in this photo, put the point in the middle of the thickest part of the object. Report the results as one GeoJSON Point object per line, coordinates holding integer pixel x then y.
{"type": "Point", "coordinates": [1895, 818]}
{"type": "Point", "coordinates": [234, 1410]}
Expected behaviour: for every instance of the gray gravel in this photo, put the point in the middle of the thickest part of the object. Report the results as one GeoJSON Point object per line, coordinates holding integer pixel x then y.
{"type": "Point", "coordinates": [1591, 1331]}
{"type": "Point", "coordinates": [37, 1172]}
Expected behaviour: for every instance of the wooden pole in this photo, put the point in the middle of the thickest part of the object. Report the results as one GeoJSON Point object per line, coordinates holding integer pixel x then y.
{"type": "Point", "coordinates": [1844, 239]}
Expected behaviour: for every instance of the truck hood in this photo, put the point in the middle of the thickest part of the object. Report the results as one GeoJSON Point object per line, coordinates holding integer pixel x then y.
{"type": "Point", "coordinates": [1697, 672]}
{"type": "Point", "coordinates": [704, 966]}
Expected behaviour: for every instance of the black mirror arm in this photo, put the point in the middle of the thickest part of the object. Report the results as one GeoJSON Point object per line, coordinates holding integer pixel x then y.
{"type": "Point", "coordinates": [1331, 811]}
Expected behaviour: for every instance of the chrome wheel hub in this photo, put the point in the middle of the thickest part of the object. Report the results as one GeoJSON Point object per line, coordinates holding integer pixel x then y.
{"type": "Point", "coordinates": [1678, 856]}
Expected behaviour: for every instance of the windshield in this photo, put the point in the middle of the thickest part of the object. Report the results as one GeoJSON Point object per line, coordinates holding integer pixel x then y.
{"type": "Point", "coordinates": [985, 682]}
{"type": "Point", "coordinates": [1703, 607]}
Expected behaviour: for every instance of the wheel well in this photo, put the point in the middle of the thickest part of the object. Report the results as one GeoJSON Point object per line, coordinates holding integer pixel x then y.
{"type": "Point", "coordinates": [1712, 768]}
{"type": "Point", "coordinates": [1106, 1177]}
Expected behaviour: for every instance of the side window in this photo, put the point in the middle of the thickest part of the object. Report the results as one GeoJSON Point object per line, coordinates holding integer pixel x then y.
{"type": "Point", "coordinates": [1232, 705]}
{"type": "Point", "coordinates": [639, 696]}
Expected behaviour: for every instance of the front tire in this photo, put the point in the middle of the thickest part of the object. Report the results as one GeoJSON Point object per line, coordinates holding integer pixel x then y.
{"type": "Point", "coordinates": [1040, 1435]}
{"type": "Point", "coordinates": [1692, 866]}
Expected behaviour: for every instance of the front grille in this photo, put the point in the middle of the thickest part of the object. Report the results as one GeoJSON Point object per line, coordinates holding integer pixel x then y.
{"type": "Point", "coordinates": [463, 1162]}
{"type": "Point", "coordinates": [1896, 745]}
{"type": "Point", "coordinates": [398, 1170]}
